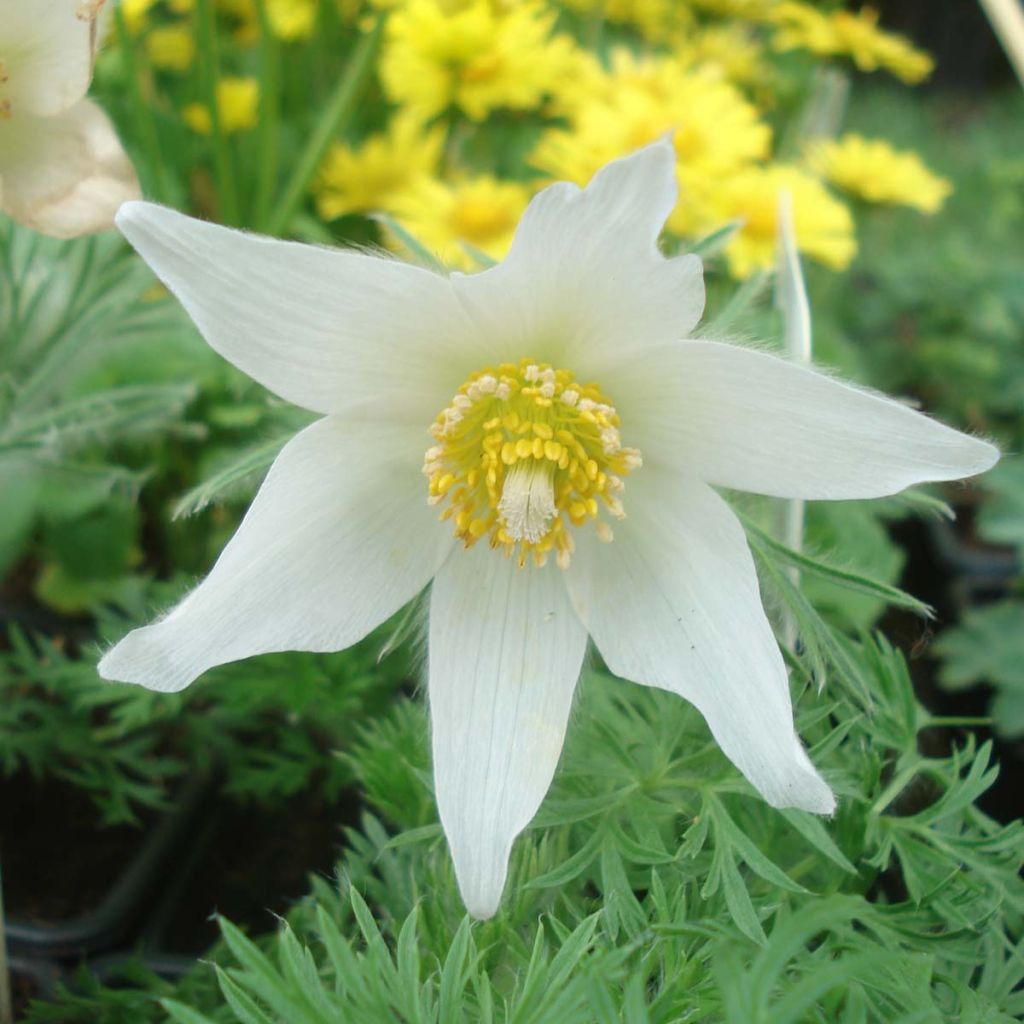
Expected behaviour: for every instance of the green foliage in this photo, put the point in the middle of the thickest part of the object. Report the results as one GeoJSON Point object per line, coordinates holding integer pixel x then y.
{"type": "Point", "coordinates": [934, 307]}
{"type": "Point", "coordinates": [270, 726]}
{"type": "Point", "coordinates": [656, 886]}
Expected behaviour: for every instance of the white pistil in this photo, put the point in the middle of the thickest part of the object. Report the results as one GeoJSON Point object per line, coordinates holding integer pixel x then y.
{"type": "Point", "coordinates": [527, 503]}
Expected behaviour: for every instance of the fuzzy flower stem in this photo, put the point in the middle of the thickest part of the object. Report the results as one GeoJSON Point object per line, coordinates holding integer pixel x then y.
{"type": "Point", "coordinates": [154, 174]}
{"type": "Point", "coordinates": [270, 76]}
{"type": "Point", "coordinates": [791, 297]}
{"type": "Point", "coordinates": [336, 114]}
{"type": "Point", "coordinates": [223, 164]}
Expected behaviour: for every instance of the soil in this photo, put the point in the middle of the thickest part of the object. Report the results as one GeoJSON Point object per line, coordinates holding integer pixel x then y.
{"type": "Point", "coordinates": [58, 860]}
{"type": "Point", "coordinates": [24, 989]}
{"type": "Point", "coordinates": [244, 861]}
{"type": "Point", "coordinates": [249, 863]}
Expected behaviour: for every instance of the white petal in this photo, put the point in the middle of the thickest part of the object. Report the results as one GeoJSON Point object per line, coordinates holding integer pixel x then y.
{"type": "Point", "coordinates": [330, 330]}
{"type": "Point", "coordinates": [584, 278]}
{"type": "Point", "coordinates": [752, 421]}
{"type": "Point", "coordinates": [673, 602]}
{"type": "Point", "coordinates": [64, 175]}
{"type": "Point", "coordinates": [338, 538]}
{"type": "Point", "coordinates": [505, 653]}
{"type": "Point", "coordinates": [48, 48]}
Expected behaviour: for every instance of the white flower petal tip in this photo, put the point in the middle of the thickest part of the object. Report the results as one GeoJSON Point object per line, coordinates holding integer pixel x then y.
{"type": "Point", "coordinates": [337, 540]}
{"type": "Point", "coordinates": [505, 652]}
{"type": "Point", "coordinates": [801, 786]}
{"type": "Point", "coordinates": [144, 657]}
{"type": "Point", "coordinates": [975, 456]}
{"type": "Point", "coordinates": [694, 625]}
{"type": "Point", "coordinates": [331, 330]}
{"type": "Point", "coordinates": [744, 419]}
{"type": "Point", "coordinates": [129, 212]}
{"type": "Point", "coordinates": [481, 873]}
{"type": "Point", "coordinates": [645, 178]}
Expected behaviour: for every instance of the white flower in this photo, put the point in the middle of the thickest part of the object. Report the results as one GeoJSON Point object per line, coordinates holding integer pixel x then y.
{"type": "Point", "coordinates": [62, 169]}
{"type": "Point", "coordinates": [530, 458]}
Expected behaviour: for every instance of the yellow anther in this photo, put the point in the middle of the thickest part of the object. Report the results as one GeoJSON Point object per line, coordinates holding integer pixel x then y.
{"type": "Point", "coordinates": [523, 453]}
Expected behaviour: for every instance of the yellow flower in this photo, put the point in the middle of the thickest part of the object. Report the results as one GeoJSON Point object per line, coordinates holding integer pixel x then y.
{"type": "Point", "coordinates": [824, 226]}
{"type": "Point", "coordinates": [292, 19]}
{"type": "Point", "coordinates": [873, 170]}
{"type": "Point", "coordinates": [480, 211]}
{"type": "Point", "coordinates": [366, 179]}
{"type": "Point", "coordinates": [237, 104]}
{"type": "Point", "coordinates": [729, 50]}
{"type": "Point", "coordinates": [714, 129]}
{"type": "Point", "coordinates": [136, 13]}
{"type": "Point", "coordinates": [171, 47]}
{"type": "Point", "coordinates": [857, 36]}
{"type": "Point", "coordinates": [477, 56]}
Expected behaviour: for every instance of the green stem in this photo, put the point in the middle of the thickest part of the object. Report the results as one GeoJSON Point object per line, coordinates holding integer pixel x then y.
{"type": "Point", "coordinates": [270, 83]}
{"type": "Point", "coordinates": [208, 74]}
{"type": "Point", "coordinates": [6, 1010]}
{"type": "Point", "coordinates": [339, 108]}
{"type": "Point", "coordinates": [155, 180]}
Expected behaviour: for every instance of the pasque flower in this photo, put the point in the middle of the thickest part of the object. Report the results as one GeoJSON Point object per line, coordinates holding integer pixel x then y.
{"type": "Point", "coordinates": [553, 412]}
{"type": "Point", "coordinates": [62, 170]}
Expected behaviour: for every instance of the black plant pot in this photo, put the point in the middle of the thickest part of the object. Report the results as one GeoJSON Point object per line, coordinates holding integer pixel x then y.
{"type": "Point", "coordinates": [30, 979]}
{"type": "Point", "coordinates": [118, 912]}
{"type": "Point", "coordinates": [974, 572]}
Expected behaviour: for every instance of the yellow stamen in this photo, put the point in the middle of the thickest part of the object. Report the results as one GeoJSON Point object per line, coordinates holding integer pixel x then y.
{"type": "Point", "coordinates": [523, 452]}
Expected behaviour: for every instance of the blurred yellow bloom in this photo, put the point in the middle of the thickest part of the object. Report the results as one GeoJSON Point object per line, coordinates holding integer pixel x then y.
{"type": "Point", "coordinates": [171, 47]}
{"type": "Point", "coordinates": [292, 19]}
{"type": "Point", "coordinates": [728, 49]}
{"type": "Point", "coordinates": [857, 36]}
{"type": "Point", "coordinates": [873, 170]}
{"type": "Point", "coordinates": [824, 226]}
{"type": "Point", "coordinates": [238, 101]}
{"type": "Point", "coordinates": [481, 211]}
{"type": "Point", "coordinates": [477, 56]}
{"type": "Point", "coordinates": [135, 14]}
{"type": "Point", "coordinates": [368, 178]}
{"type": "Point", "coordinates": [714, 129]}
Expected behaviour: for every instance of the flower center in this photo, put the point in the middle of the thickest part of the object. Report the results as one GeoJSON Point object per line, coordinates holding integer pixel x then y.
{"type": "Point", "coordinates": [522, 453]}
